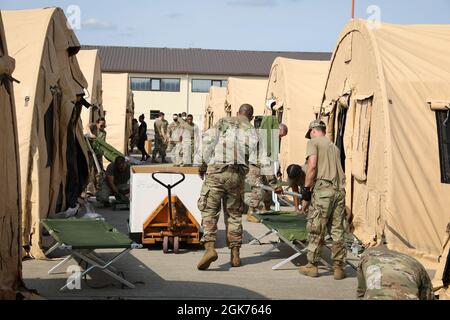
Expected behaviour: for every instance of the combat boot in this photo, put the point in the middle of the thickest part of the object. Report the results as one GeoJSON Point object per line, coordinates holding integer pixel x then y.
{"type": "Point", "coordinates": [209, 257]}
{"type": "Point", "coordinates": [235, 259]}
{"type": "Point", "coordinates": [251, 217]}
{"type": "Point", "coordinates": [309, 270]}
{"type": "Point", "coordinates": [339, 272]}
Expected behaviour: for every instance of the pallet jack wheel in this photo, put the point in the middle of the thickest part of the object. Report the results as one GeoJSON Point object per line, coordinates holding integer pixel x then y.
{"type": "Point", "coordinates": [176, 244]}
{"type": "Point", "coordinates": [166, 244]}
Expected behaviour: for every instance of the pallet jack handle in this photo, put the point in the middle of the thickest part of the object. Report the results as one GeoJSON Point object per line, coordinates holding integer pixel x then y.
{"type": "Point", "coordinates": [169, 187]}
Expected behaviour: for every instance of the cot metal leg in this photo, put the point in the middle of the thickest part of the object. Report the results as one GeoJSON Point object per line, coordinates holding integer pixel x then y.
{"type": "Point", "coordinates": [97, 258]}
{"type": "Point", "coordinates": [53, 248]}
{"type": "Point", "coordinates": [59, 265]}
{"type": "Point", "coordinates": [272, 247]}
{"type": "Point", "coordinates": [258, 240]}
{"type": "Point", "coordinates": [282, 263]}
{"type": "Point", "coordinates": [104, 268]}
{"type": "Point", "coordinates": [292, 245]}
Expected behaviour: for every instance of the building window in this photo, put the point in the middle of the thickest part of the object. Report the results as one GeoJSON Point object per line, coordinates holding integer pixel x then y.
{"type": "Point", "coordinates": [140, 84]}
{"type": "Point", "coordinates": [156, 85]}
{"type": "Point", "coordinates": [170, 85]}
{"type": "Point", "coordinates": [203, 85]}
{"type": "Point", "coordinates": [443, 126]}
{"type": "Point", "coordinates": [216, 83]}
{"type": "Point", "coordinates": [154, 114]}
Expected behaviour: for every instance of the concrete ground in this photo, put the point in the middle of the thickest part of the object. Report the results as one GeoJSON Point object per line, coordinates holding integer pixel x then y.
{"type": "Point", "coordinates": [175, 276]}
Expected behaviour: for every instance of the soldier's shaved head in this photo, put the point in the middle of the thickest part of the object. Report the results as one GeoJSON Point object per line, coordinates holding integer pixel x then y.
{"type": "Point", "coordinates": [283, 130]}
{"type": "Point", "coordinates": [246, 110]}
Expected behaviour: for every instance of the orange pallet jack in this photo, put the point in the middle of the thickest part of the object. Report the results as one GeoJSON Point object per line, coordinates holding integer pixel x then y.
{"type": "Point", "coordinates": [171, 222]}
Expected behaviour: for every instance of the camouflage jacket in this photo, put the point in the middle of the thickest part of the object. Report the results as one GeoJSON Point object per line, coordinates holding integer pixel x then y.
{"type": "Point", "coordinates": [388, 275]}
{"type": "Point", "coordinates": [231, 141]}
{"type": "Point", "coordinates": [174, 131]}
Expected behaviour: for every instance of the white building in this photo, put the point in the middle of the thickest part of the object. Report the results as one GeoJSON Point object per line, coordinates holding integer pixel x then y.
{"type": "Point", "coordinates": [178, 80]}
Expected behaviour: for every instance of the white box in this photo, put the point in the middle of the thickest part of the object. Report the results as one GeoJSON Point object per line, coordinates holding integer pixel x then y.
{"type": "Point", "coordinates": [146, 194]}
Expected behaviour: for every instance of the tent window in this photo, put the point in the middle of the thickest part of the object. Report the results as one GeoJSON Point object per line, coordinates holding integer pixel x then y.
{"type": "Point", "coordinates": [341, 121]}
{"type": "Point", "coordinates": [280, 115]}
{"type": "Point", "coordinates": [48, 129]}
{"type": "Point", "coordinates": [443, 126]}
{"type": "Point", "coordinates": [361, 136]}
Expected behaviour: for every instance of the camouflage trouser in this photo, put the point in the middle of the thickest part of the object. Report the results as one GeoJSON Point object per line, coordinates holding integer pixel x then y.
{"type": "Point", "coordinates": [225, 187]}
{"type": "Point", "coordinates": [178, 153]}
{"type": "Point", "coordinates": [187, 152]}
{"type": "Point", "coordinates": [104, 192]}
{"type": "Point", "coordinates": [170, 146]}
{"type": "Point", "coordinates": [327, 212]}
{"type": "Point", "coordinates": [257, 195]}
{"type": "Point", "coordinates": [160, 147]}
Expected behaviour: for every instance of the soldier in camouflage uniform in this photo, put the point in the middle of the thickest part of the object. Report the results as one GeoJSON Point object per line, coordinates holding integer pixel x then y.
{"type": "Point", "coordinates": [325, 188]}
{"type": "Point", "coordinates": [116, 183]}
{"type": "Point", "coordinates": [228, 148]}
{"type": "Point", "coordinates": [161, 138]}
{"type": "Point", "coordinates": [190, 139]}
{"type": "Point", "coordinates": [178, 148]}
{"type": "Point", "coordinates": [259, 174]}
{"type": "Point", "coordinates": [171, 129]}
{"type": "Point", "coordinates": [384, 274]}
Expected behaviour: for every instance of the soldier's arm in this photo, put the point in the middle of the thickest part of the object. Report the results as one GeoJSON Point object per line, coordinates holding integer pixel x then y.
{"type": "Point", "coordinates": [311, 172]}
{"type": "Point", "coordinates": [89, 128]}
{"type": "Point", "coordinates": [112, 186]}
{"type": "Point", "coordinates": [208, 144]}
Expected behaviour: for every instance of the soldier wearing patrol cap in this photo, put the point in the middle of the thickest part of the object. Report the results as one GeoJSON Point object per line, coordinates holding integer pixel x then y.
{"type": "Point", "coordinates": [324, 200]}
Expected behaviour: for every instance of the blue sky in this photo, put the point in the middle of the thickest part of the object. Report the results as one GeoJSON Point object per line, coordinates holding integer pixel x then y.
{"type": "Point", "coordinates": [281, 25]}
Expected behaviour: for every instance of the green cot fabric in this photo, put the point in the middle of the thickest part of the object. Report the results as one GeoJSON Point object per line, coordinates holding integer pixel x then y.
{"type": "Point", "coordinates": [270, 123]}
{"type": "Point", "coordinates": [290, 225]}
{"type": "Point", "coordinates": [86, 234]}
{"type": "Point", "coordinates": [109, 152]}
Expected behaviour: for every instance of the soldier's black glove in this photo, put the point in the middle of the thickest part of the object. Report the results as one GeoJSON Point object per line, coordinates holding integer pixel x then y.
{"type": "Point", "coordinates": [306, 194]}
{"type": "Point", "coordinates": [202, 170]}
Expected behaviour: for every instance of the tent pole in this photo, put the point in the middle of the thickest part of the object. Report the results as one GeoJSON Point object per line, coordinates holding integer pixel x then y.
{"type": "Point", "coordinates": [353, 9]}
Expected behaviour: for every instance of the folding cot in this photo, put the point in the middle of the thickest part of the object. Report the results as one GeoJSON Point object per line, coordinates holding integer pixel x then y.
{"type": "Point", "coordinates": [290, 228]}
{"type": "Point", "coordinates": [82, 237]}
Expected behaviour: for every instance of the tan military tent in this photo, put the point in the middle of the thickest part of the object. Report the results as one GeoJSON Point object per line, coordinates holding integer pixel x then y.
{"type": "Point", "coordinates": [297, 87]}
{"type": "Point", "coordinates": [119, 109]}
{"type": "Point", "coordinates": [10, 210]}
{"type": "Point", "coordinates": [387, 99]}
{"type": "Point", "coordinates": [242, 90]}
{"type": "Point", "coordinates": [214, 106]}
{"type": "Point", "coordinates": [45, 52]}
{"type": "Point", "coordinates": [89, 61]}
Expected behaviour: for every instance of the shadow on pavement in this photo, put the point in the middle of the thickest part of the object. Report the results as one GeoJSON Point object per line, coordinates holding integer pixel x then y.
{"type": "Point", "coordinates": [149, 285]}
